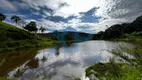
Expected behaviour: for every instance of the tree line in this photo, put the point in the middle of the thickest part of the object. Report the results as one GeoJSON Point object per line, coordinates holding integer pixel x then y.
{"type": "Point", "coordinates": [31, 26]}
{"type": "Point", "coordinates": [119, 30]}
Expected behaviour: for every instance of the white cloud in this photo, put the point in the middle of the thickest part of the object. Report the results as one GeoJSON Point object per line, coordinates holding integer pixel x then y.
{"type": "Point", "coordinates": [52, 4]}
{"type": "Point", "coordinates": [74, 21]}
{"type": "Point", "coordinates": [51, 24]}
{"type": "Point", "coordinates": [6, 5]}
{"type": "Point", "coordinates": [75, 7]}
{"type": "Point", "coordinates": [47, 13]}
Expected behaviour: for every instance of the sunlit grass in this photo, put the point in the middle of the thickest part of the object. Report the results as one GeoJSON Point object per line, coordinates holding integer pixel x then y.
{"type": "Point", "coordinates": [133, 37]}
{"type": "Point", "coordinates": [131, 69]}
{"type": "Point", "coordinates": [2, 78]}
{"type": "Point", "coordinates": [13, 38]}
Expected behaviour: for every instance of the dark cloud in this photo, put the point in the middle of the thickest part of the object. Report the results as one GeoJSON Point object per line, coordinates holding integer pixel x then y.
{"type": "Point", "coordinates": [63, 4]}
{"type": "Point", "coordinates": [89, 16]}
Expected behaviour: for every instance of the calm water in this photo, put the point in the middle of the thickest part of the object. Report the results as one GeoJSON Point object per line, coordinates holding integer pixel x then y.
{"type": "Point", "coordinates": [65, 63]}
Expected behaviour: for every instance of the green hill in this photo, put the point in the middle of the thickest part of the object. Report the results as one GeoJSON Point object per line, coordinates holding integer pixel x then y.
{"type": "Point", "coordinates": [9, 32]}
{"type": "Point", "coordinates": [12, 38]}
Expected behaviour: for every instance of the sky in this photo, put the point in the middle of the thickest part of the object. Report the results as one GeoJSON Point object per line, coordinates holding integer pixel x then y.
{"type": "Point", "coordinates": [89, 16]}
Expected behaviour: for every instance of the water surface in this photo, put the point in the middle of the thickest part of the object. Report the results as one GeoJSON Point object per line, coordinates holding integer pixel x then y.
{"type": "Point", "coordinates": [65, 63]}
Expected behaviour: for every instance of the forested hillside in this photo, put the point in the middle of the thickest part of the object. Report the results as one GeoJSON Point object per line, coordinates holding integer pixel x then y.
{"type": "Point", "coordinates": [121, 30]}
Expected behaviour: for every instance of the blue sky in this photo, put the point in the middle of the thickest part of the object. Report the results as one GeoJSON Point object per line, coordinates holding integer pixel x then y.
{"type": "Point", "coordinates": [83, 15]}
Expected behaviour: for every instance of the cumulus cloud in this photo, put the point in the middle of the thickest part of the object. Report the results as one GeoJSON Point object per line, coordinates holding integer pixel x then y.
{"type": "Point", "coordinates": [75, 7]}
{"type": "Point", "coordinates": [37, 4]}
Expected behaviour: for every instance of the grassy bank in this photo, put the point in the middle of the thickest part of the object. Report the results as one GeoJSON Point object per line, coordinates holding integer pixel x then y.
{"type": "Point", "coordinates": [13, 38]}
{"type": "Point", "coordinates": [125, 69]}
{"type": "Point", "coordinates": [133, 37]}
{"type": "Point", "coordinates": [2, 78]}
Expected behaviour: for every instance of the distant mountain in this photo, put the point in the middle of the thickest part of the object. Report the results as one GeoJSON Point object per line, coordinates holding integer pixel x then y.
{"type": "Point", "coordinates": [68, 29]}
{"type": "Point", "coordinates": [68, 35]}
{"type": "Point", "coordinates": [50, 29]}
{"type": "Point", "coordinates": [88, 31]}
{"type": "Point", "coordinates": [71, 29]}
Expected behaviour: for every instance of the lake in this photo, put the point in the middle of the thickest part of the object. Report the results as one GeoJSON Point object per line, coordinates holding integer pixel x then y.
{"type": "Point", "coordinates": [65, 62]}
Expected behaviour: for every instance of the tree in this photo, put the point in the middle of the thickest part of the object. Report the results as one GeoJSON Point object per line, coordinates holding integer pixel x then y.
{"type": "Point", "coordinates": [113, 31]}
{"type": "Point", "coordinates": [32, 26]}
{"type": "Point", "coordinates": [16, 19]}
{"type": "Point", "coordinates": [2, 17]}
{"type": "Point", "coordinates": [42, 29]}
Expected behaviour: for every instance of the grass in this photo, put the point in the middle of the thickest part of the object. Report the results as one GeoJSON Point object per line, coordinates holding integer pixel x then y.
{"type": "Point", "coordinates": [133, 37]}
{"type": "Point", "coordinates": [131, 69]}
{"type": "Point", "coordinates": [13, 38]}
{"type": "Point", "coordinates": [114, 71]}
{"type": "Point", "coordinates": [9, 32]}
{"type": "Point", "coordinates": [104, 70]}
{"type": "Point", "coordinates": [2, 78]}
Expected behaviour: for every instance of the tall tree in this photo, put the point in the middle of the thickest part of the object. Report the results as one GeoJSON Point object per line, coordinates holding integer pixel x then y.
{"type": "Point", "coordinates": [42, 29]}
{"type": "Point", "coordinates": [2, 17]}
{"type": "Point", "coordinates": [16, 19]}
{"type": "Point", "coordinates": [32, 26]}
